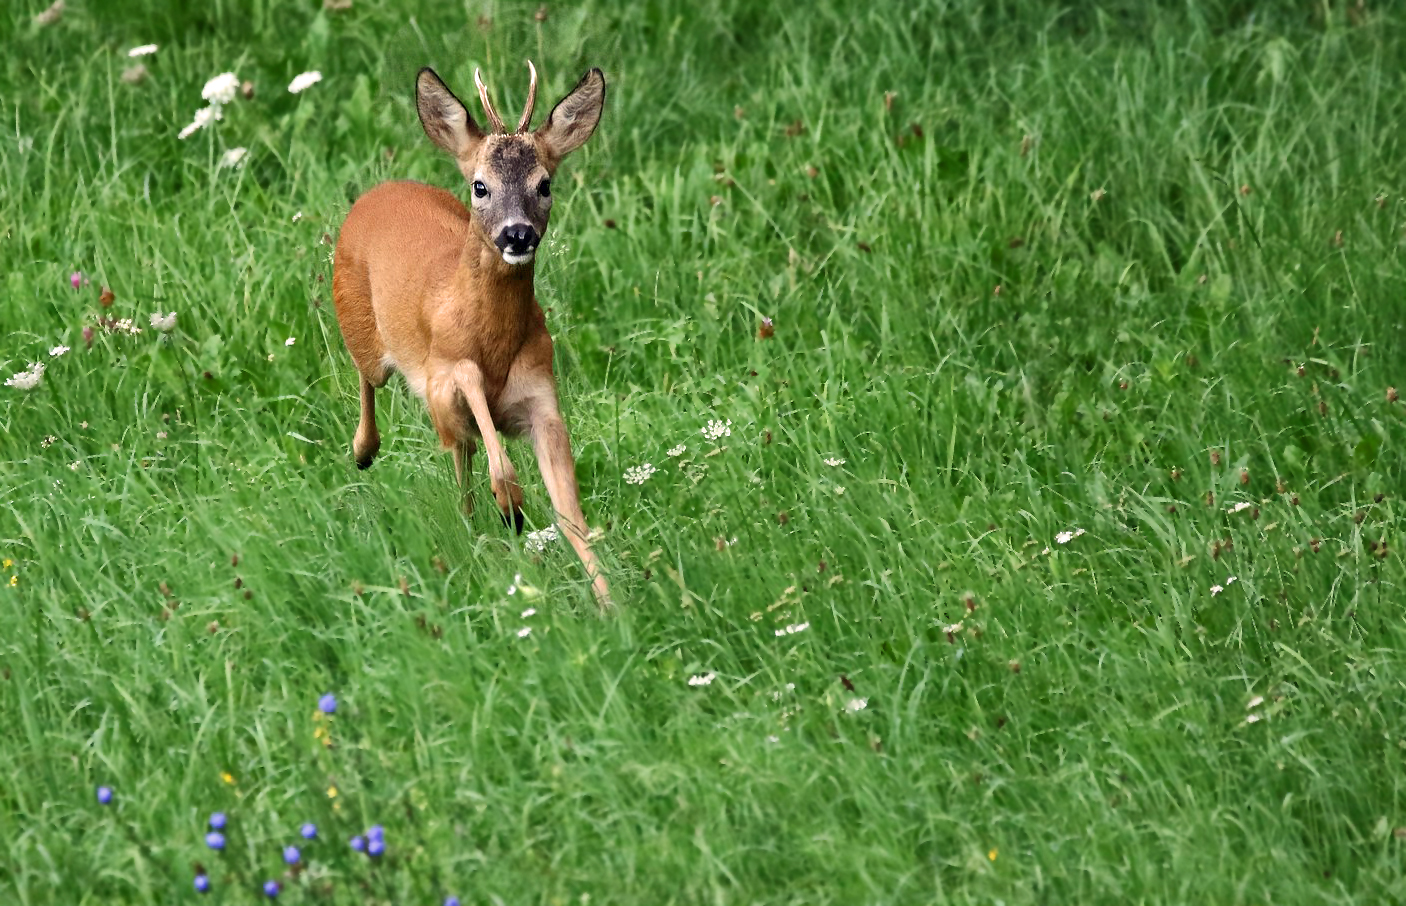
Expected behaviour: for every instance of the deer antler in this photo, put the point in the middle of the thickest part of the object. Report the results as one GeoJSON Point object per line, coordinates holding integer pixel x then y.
{"type": "Point", "coordinates": [531, 99]}
{"type": "Point", "coordinates": [494, 119]}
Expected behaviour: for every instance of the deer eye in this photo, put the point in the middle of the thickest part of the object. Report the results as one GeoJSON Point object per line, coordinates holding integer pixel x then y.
{"type": "Point", "coordinates": [545, 189]}
{"type": "Point", "coordinates": [480, 190]}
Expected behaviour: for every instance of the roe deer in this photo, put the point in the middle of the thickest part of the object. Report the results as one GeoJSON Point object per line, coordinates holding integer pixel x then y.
{"type": "Point", "coordinates": [443, 294]}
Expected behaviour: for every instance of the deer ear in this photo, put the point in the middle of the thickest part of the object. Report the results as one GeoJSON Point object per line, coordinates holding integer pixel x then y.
{"type": "Point", "coordinates": [574, 118]}
{"type": "Point", "coordinates": [444, 116]}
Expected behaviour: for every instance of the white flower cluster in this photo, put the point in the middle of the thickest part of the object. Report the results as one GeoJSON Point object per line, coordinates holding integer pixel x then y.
{"type": "Point", "coordinates": [164, 323]}
{"type": "Point", "coordinates": [1217, 589]}
{"type": "Point", "coordinates": [304, 81]}
{"type": "Point", "coordinates": [233, 159]}
{"type": "Point", "coordinates": [701, 680]}
{"type": "Point", "coordinates": [125, 325]}
{"type": "Point", "coordinates": [538, 541]}
{"type": "Point", "coordinates": [639, 474]}
{"type": "Point", "coordinates": [27, 379]}
{"type": "Point", "coordinates": [793, 629]}
{"type": "Point", "coordinates": [217, 92]}
{"type": "Point", "coordinates": [716, 430]}
{"type": "Point", "coordinates": [1066, 537]}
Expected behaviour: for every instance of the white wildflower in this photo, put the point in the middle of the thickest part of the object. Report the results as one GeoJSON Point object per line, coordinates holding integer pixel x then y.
{"type": "Point", "coordinates": [160, 435]}
{"type": "Point", "coordinates": [702, 679]}
{"type": "Point", "coordinates": [304, 81]}
{"type": "Point", "coordinates": [1254, 703]}
{"type": "Point", "coordinates": [290, 341]}
{"type": "Point", "coordinates": [48, 441]}
{"type": "Point", "coordinates": [74, 466]}
{"type": "Point", "coordinates": [58, 351]}
{"type": "Point", "coordinates": [1216, 589]}
{"type": "Point", "coordinates": [1068, 536]}
{"type": "Point", "coordinates": [716, 430]}
{"type": "Point", "coordinates": [793, 629]}
{"type": "Point", "coordinates": [773, 738]}
{"type": "Point", "coordinates": [1253, 719]}
{"type": "Point", "coordinates": [298, 216]}
{"type": "Point", "coordinates": [856, 704]}
{"type": "Point", "coordinates": [839, 490]}
{"type": "Point", "coordinates": [777, 696]}
{"type": "Point", "coordinates": [203, 117]}
{"type": "Point", "coordinates": [513, 589]}
{"type": "Point", "coordinates": [125, 325]}
{"type": "Point", "coordinates": [1230, 581]}
{"type": "Point", "coordinates": [538, 541]}
{"type": "Point", "coordinates": [524, 632]}
{"type": "Point", "coordinates": [952, 629]}
{"type": "Point", "coordinates": [27, 379]}
{"type": "Point", "coordinates": [52, 14]}
{"type": "Point", "coordinates": [144, 50]}
{"type": "Point", "coordinates": [639, 474]}
{"type": "Point", "coordinates": [834, 462]}
{"type": "Point", "coordinates": [676, 451]}
{"type": "Point", "coordinates": [233, 159]}
{"type": "Point", "coordinates": [221, 89]}
{"type": "Point", "coordinates": [1242, 505]}
{"type": "Point", "coordinates": [529, 612]}
{"type": "Point", "coordinates": [164, 323]}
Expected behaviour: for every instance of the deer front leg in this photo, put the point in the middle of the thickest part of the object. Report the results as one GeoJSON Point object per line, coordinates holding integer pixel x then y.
{"type": "Point", "coordinates": [502, 476]}
{"type": "Point", "coordinates": [553, 446]}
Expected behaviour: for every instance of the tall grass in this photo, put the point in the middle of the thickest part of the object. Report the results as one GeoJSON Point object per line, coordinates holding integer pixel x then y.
{"type": "Point", "coordinates": [1131, 269]}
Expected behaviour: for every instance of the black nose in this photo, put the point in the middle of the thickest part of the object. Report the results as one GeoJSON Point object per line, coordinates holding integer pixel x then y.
{"type": "Point", "coordinates": [518, 238]}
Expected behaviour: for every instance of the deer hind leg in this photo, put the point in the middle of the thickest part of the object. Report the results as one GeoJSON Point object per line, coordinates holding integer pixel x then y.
{"type": "Point", "coordinates": [367, 440]}
{"type": "Point", "coordinates": [464, 451]}
{"type": "Point", "coordinates": [448, 392]}
{"type": "Point", "coordinates": [351, 293]}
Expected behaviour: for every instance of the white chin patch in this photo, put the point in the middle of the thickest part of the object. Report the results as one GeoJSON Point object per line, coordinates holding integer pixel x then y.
{"type": "Point", "coordinates": [518, 259]}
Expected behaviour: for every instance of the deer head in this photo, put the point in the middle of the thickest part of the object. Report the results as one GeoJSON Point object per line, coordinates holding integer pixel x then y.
{"type": "Point", "coordinates": [510, 173]}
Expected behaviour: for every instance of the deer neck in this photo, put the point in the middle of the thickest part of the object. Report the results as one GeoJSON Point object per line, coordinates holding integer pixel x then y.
{"type": "Point", "coordinates": [495, 302]}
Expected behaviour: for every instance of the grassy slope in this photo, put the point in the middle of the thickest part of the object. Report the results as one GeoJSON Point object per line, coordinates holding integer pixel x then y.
{"type": "Point", "coordinates": [1113, 766]}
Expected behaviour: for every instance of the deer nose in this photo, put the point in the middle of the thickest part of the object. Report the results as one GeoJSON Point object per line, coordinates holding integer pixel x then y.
{"type": "Point", "coordinates": [518, 239]}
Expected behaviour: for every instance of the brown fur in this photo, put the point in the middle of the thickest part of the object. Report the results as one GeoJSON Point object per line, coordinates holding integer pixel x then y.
{"type": "Point", "coordinates": [421, 288]}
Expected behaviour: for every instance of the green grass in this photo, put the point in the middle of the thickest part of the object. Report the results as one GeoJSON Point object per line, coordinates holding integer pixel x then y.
{"type": "Point", "coordinates": [1027, 295]}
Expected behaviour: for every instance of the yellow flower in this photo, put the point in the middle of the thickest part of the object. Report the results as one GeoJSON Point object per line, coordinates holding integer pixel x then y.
{"type": "Point", "coordinates": [14, 580]}
{"type": "Point", "coordinates": [332, 792]}
{"type": "Point", "coordinates": [992, 855]}
{"type": "Point", "coordinates": [227, 777]}
{"type": "Point", "coordinates": [7, 564]}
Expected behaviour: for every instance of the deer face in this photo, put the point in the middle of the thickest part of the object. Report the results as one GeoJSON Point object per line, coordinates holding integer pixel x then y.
{"type": "Point", "coordinates": [509, 173]}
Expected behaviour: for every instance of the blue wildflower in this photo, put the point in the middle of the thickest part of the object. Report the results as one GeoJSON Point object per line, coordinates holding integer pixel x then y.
{"type": "Point", "coordinates": [376, 832]}
{"type": "Point", "coordinates": [358, 843]}
{"type": "Point", "coordinates": [215, 840]}
{"type": "Point", "coordinates": [327, 704]}
{"type": "Point", "coordinates": [309, 831]}
{"type": "Point", "coordinates": [104, 794]}
{"type": "Point", "coordinates": [271, 889]}
{"type": "Point", "coordinates": [217, 821]}
{"type": "Point", "coordinates": [202, 883]}
{"type": "Point", "coordinates": [451, 901]}
{"type": "Point", "coordinates": [375, 847]}
{"type": "Point", "coordinates": [291, 855]}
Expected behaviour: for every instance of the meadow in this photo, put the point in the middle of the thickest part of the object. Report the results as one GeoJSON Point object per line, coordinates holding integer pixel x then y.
{"type": "Point", "coordinates": [1018, 378]}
